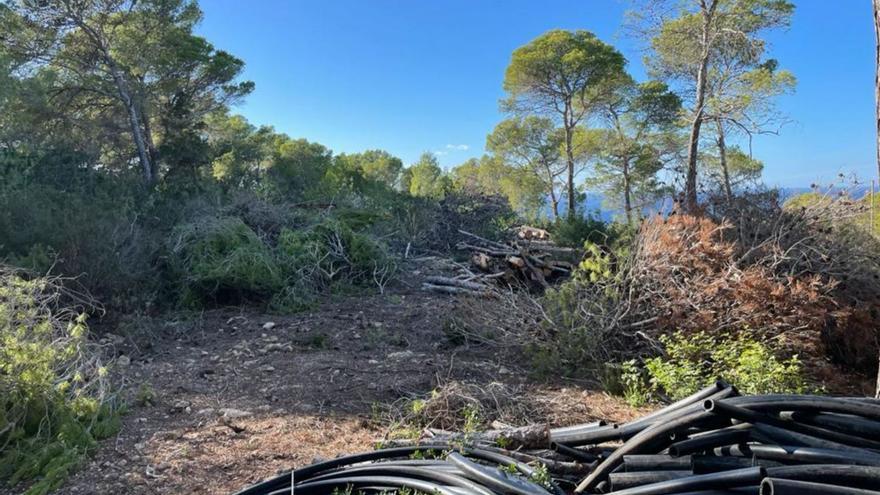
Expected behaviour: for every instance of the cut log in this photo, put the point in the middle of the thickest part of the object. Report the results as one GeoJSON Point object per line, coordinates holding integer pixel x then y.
{"type": "Point", "coordinates": [446, 289]}
{"type": "Point", "coordinates": [526, 232]}
{"type": "Point", "coordinates": [482, 261]}
{"type": "Point", "coordinates": [452, 282]}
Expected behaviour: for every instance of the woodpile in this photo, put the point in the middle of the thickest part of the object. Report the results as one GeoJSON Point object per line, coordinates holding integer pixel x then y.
{"type": "Point", "coordinates": [531, 260]}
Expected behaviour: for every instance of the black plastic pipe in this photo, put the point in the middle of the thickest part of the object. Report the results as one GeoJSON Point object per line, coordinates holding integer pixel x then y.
{"type": "Point", "coordinates": [718, 438]}
{"type": "Point", "coordinates": [697, 396]}
{"type": "Point", "coordinates": [803, 455]}
{"type": "Point", "coordinates": [595, 436]}
{"type": "Point", "coordinates": [324, 486]}
{"type": "Point", "coordinates": [622, 481]}
{"type": "Point", "coordinates": [835, 474]}
{"type": "Point", "coordinates": [852, 425]}
{"type": "Point", "coordinates": [748, 477]}
{"type": "Point", "coordinates": [283, 480]}
{"type": "Point", "coordinates": [573, 453]}
{"type": "Point", "coordinates": [776, 486]}
{"type": "Point", "coordinates": [702, 464]}
{"type": "Point", "coordinates": [494, 478]}
{"type": "Point", "coordinates": [431, 474]}
{"type": "Point", "coordinates": [811, 403]}
{"type": "Point", "coordinates": [649, 441]}
{"type": "Point", "coordinates": [726, 409]}
{"type": "Point", "coordinates": [655, 462]}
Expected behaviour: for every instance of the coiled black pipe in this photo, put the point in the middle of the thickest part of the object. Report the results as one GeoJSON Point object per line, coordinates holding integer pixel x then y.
{"type": "Point", "coordinates": [433, 475]}
{"type": "Point", "coordinates": [283, 480]}
{"type": "Point", "coordinates": [324, 486]}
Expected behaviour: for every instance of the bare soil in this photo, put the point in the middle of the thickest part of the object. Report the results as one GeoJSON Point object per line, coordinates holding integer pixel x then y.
{"type": "Point", "coordinates": [224, 399]}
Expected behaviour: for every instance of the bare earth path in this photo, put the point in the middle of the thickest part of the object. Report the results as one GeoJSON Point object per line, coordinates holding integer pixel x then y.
{"type": "Point", "coordinates": [228, 398]}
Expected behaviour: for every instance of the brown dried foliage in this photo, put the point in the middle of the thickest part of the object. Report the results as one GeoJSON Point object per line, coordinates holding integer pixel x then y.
{"type": "Point", "coordinates": [804, 276]}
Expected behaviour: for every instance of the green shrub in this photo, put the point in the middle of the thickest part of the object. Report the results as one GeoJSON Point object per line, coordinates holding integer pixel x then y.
{"type": "Point", "coordinates": [53, 399]}
{"type": "Point", "coordinates": [575, 231]}
{"type": "Point", "coordinates": [694, 361]}
{"type": "Point", "coordinates": [84, 225]}
{"type": "Point", "coordinates": [330, 252]}
{"type": "Point", "coordinates": [221, 259]}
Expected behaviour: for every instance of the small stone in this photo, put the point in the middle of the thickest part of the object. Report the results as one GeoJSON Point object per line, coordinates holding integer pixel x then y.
{"type": "Point", "coordinates": [269, 325]}
{"type": "Point", "coordinates": [230, 413]}
{"type": "Point", "coordinates": [401, 355]}
{"type": "Point", "coordinates": [266, 368]}
{"type": "Point", "coordinates": [123, 361]}
{"type": "Point", "coordinates": [206, 412]}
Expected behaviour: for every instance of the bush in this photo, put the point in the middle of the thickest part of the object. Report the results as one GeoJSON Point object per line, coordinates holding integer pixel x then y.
{"type": "Point", "coordinates": [694, 361]}
{"type": "Point", "coordinates": [221, 260]}
{"type": "Point", "coordinates": [86, 227]}
{"type": "Point", "coordinates": [331, 252]}
{"type": "Point", "coordinates": [575, 231]}
{"type": "Point", "coordinates": [53, 387]}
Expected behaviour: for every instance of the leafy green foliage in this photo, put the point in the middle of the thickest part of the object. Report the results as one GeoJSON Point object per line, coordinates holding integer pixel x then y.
{"type": "Point", "coordinates": [575, 231]}
{"type": "Point", "coordinates": [490, 176]}
{"type": "Point", "coordinates": [53, 402]}
{"type": "Point", "coordinates": [563, 75]}
{"type": "Point", "coordinates": [425, 179]}
{"type": "Point", "coordinates": [532, 146]}
{"type": "Point", "coordinates": [330, 252]}
{"type": "Point", "coordinates": [694, 361]}
{"type": "Point", "coordinates": [221, 259]}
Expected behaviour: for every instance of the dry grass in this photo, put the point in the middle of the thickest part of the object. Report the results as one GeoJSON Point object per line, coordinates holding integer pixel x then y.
{"type": "Point", "coordinates": [218, 459]}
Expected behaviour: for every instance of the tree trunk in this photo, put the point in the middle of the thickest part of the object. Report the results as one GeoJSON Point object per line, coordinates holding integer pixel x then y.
{"type": "Point", "coordinates": [876, 4]}
{"type": "Point", "coordinates": [569, 155]}
{"type": "Point", "coordinates": [877, 391]}
{"type": "Point", "coordinates": [554, 202]}
{"type": "Point", "coordinates": [134, 119]}
{"type": "Point", "coordinates": [690, 188]}
{"type": "Point", "coordinates": [722, 153]}
{"type": "Point", "coordinates": [627, 193]}
{"type": "Point", "coordinates": [151, 146]}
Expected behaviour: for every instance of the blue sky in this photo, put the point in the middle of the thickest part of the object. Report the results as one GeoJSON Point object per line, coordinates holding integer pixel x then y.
{"type": "Point", "coordinates": [414, 76]}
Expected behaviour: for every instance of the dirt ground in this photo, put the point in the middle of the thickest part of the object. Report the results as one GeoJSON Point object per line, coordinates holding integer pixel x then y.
{"type": "Point", "coordinates": [224, 399]}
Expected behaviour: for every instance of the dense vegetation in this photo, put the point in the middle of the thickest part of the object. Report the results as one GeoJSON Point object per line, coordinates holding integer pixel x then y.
{"type": "Point", "coordinates": [123, 166]}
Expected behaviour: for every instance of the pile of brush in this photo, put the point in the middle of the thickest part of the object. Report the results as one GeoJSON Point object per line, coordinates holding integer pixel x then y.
{"type": "Point", "coordinates": [531, 260]}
